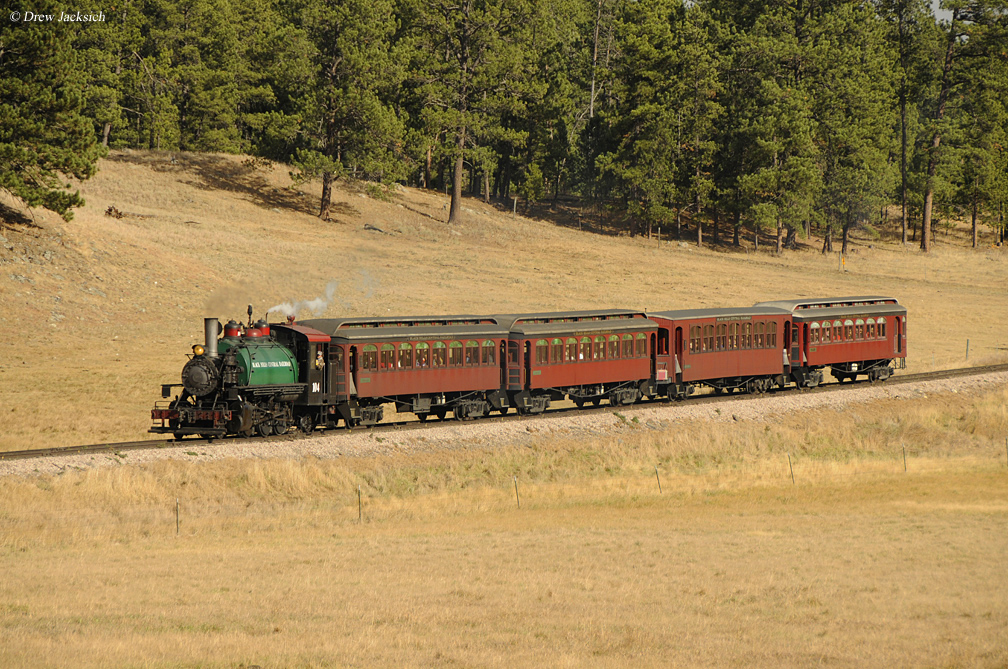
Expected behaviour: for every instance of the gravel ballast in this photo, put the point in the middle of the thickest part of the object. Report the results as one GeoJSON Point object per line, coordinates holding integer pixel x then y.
{"type": "Point", "coordinates": [490, 433]}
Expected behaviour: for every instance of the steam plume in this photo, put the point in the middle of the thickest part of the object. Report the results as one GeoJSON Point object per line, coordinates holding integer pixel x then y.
{"type": "Point", "coordinates": [316, 306]}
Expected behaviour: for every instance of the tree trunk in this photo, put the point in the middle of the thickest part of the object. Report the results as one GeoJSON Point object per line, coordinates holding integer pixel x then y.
{"type": "Point", "coordinates": [975, 220]}
{"type": "Point", "coordinates": [427, 167]}
{"type": "Point", "coordinates": [846, 236]}
{"type": "Point", "coordinates": [591, 100]}
{"type": "Point", "coordinates": [780, 237]}
{"type": "Point", "coordinates": [327, 179]}
{"type": "Point", "coordinates": [486, 186]}
{"type": "Point", "coordinates": [678, 224]}
{"type": "Point", "coordinates": [936, 139]}
{"type": "Point", "coordinates": [699, 231]}
{"type": "Point", "coordinates": [105, 133]}
{"type": "Point", "coordinates": [456, 198]}
{"type": "Point", "coordinates": [827, 245]}
{"type": "Point", "coordinates": [737, 225]}
{"type": "Point", "coordinates": [717, 214]}
{"type": "Point", "coordinates": [903, 159]}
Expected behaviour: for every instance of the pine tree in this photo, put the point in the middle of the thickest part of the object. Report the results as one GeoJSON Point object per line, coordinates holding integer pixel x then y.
{"type": "Point", "coordinates": [912, 27]}
{"type": "Point", "coordinates": [853, 107]}
{"type": "Point", "coordinates": [44, 136]}
{"type": "Point", "coordinates": [984, 118]}
{"type": "Point", "coordinates": [781, 179]}
{"type": "Point", "coordinates": [349, 127]}
{"type": "Point", "coordinates": [468, 74]}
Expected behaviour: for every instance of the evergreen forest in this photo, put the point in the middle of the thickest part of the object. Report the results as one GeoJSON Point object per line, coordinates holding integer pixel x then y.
{"type": "Point", "coordinates": [799, 119]}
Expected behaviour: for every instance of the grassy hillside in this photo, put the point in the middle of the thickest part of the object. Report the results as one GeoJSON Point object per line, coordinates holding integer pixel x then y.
{"type": "Point", "coordinates": [857, 563]}
{"type": "Point", "coordinates": [102, 310]}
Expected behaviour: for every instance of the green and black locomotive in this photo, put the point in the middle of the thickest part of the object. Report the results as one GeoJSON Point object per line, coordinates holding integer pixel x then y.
{"type": "Point", "coordinates": [246, 382]}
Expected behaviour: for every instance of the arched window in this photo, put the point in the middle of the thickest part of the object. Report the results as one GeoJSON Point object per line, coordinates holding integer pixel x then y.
{"type": "Point", "coordinates": [814, 330]}
{"type": "Point", "coordinates": [556, 351]}
{"type": "Point", "coordinates": [722, 337]}
{"type": "Point", "coordinates": [571, 350]}
{"type": "Point", "coordinates": [870, 328]}
{"type": "Point", "coordinates": [708, 338]}
{"type": "Point", "coordinates": [542, 352]}
{"type": "Point", "coordinates": [599, 352]}
{"type": "Point", "coordinates": [760, 335]}
{"type": "Point", "coordinates": [423, 357]}
{"type": "Point", "coordinates": [613, 347]}
{"type": "Point", "coordinates": [771, 338]}
{"type": "Point", "coordinates": [642, 345]}
{"type": "Point", "coordinates": [694, 339]}
{"type": "Point", "coordinates": [837, 331]}
{"type": "Point", "coordinates": [747, 335]}
{"type": "Point", "coordinates": [387, 360]}
{"type": "Point", "coordinates": [439, 354]}
{"type": "Point", "coordinates": [882, 328]}
{"type": "Point", "coordinates": [848, 330]}
{"type": "Point", "coordinates": [859, 329]}
{"type": "Point", "coordinates": [733, 336]}
{"type": "Point", "coordinates": [472, 351]}
{"type": "Point", "coordinates": [369, 358]}
{"type": "Point", "coordinates": [488, 352]}
{"type": "Point", "coordinates": [627, 345]}
{"type": "Point", "coordinates": [405, 356]}
{"type": "Point", "coordinates": [455, 354]}
{"type": "Point", "coordinates": [586, 349]}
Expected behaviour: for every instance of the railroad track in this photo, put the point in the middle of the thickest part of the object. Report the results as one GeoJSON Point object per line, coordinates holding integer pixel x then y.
{"type": "Point", "coordinates": [116, 449]}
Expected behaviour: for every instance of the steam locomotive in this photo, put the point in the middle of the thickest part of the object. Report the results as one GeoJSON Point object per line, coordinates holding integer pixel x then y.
{"type": "Point", "coordinates": [265, 378]}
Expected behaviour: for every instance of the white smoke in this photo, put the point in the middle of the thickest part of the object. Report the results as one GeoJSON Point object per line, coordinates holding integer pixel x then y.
{"type": "Point", "coordinates": [317, 306]}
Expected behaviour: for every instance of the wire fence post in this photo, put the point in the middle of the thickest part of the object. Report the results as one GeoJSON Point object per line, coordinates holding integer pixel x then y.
{"type": "Point", "coordinates": [967, 350]}
{"type": "Point", "coordinates": [517, 499]}
{"type": "Point", "coordinates": [659, 479]}
{"type": "Point", "coordinates": [791, 467]}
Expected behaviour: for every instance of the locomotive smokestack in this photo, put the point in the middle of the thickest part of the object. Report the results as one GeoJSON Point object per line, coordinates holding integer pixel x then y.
{"type": "Point", "coordinates": [210, 333]}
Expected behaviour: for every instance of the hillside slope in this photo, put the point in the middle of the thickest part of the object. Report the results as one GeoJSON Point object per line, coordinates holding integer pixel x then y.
{"type": "Point", "coordinates": [101, 310]}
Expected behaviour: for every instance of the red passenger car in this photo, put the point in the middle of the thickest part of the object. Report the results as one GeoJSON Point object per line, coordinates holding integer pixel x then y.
{"type": "Point", "coordinates": [850, 336]}
{"type": "Point", "coordinates": [726, 349]}
{"type": "Point", "coordinates": [584, 355]}
{"type": "Point", "coordinates": [425, 366]}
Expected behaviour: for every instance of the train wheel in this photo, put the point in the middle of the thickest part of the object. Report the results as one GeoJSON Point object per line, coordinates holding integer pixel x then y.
{"type": "Point", "coordinates": [178, 436]}
{"type": "Point", "coordinates": [265, 428]}
{"type": "Point", "coordinates": [281, 427]}
{"type": "Point", "coordinates": [422, 417]}
{"type": "Point", "coordinates": [441, 413]}
{"type": "Point", "coordinates": [306, 424]}
{"type": "Point", "coordinates": [579, 402]}
{"type": "Point", "coordinates": [503, 411]}
{"type": "Point", "coordinates": [596, 401]}
{"type": "Point", "coordinates": [718, 390]}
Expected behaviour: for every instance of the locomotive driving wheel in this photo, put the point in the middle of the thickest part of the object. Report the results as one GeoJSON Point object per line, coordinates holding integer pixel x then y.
{"type": "Point", "coordinates": [306, 423]}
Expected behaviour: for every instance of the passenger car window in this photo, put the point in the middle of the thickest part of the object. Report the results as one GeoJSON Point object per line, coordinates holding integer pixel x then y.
{"type": "Point", "coordinates": [405, 356]}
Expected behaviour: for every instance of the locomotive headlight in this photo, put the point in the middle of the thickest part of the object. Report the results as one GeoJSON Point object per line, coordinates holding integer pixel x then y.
{"type": "Point", "coordinates": [197, 349]}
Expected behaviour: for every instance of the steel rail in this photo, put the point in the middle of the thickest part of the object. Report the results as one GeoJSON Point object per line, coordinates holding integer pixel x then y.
{"type": "Point", "coordinates": [114, 449]}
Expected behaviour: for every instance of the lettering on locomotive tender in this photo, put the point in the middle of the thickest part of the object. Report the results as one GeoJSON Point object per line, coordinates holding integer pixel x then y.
{"type": "Point", "coordinates": [271, 363]}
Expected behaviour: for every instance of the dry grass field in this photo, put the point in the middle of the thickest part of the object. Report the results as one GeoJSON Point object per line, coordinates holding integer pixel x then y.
{"type": "Point", "coordinates": [858, 563]}
{"type": "Point", "coordinates": [103, 310]}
